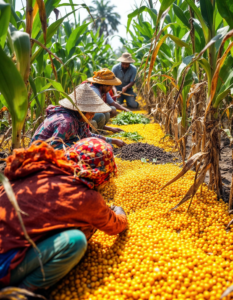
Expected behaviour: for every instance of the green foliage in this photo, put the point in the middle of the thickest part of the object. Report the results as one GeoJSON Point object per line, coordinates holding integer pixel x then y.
{"type": "Point", "coordinates": [5, 13]}
{"type": "Point", "coordinates": [14, 91]}
{"type": "Point", "coordinates": [75, 53]}
{"type": "Point", "coordinates": [125, 118]}
{"type": "Point", "coordinates": [207, 12]}
{"type": "Point", "coordinates": [134, 136]}
{"type": "Point", "coordinates": [225, 8]}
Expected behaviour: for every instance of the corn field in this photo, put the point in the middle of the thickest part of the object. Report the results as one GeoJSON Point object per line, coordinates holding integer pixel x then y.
{"type": "Point", "coordinates": [41, 62]}
{"type": "Point", "coordinates": [184, 55]}
{"type": "Point", "coordinates": [183, 50]}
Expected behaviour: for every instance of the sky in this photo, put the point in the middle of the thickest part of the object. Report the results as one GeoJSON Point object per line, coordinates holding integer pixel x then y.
{"type": "Point", "coordinates": [123, 7]}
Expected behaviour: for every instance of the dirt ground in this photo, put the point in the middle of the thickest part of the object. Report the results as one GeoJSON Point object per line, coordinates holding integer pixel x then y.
{"type": "Point", "coordinates": [225, 167]}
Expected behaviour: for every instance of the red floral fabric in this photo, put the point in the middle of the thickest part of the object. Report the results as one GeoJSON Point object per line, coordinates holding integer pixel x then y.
{"type": "Point", "coordinates": [94, 159]}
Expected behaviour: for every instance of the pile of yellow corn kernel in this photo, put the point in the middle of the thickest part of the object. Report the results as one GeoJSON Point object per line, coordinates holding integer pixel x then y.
{"type": "Point", "coordinates": [151, 133]}
{"type": "Point", "coordinates": [7, 144]}
{"type": "Point", "coordinates": [163, 255]}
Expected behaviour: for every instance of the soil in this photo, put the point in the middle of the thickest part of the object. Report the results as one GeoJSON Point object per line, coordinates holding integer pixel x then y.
{"type": "Point", "coordinates": [226, 167]}
{"type": "Point", "coordinates": [138, 151]}
{"type": "Point", "coordinates": [2, 163]}
{"type": "Point", "coordinates": [225, 164]}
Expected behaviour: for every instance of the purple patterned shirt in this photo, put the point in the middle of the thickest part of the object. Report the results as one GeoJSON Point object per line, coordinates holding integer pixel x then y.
{"type": "Point", "coordinates": [63, 124]}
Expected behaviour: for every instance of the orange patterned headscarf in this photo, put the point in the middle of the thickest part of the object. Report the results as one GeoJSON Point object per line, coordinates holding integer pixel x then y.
{"type": "Point", "coordinates": [91, 160]}
{"type": "Point", "coordinates": [104, 74]}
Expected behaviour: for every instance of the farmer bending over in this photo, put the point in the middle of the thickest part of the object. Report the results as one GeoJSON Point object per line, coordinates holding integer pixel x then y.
{"type": "Point", "coordinates": [64, 123]}
{"type": "Point", "coordinates": [102, 83]}
{"type": "Point", "coordinates": [58, 192]}
{"type": "Point", "coordinates": [126, 72]}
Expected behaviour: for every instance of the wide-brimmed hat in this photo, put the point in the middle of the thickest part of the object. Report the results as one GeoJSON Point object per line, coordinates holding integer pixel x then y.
{"type": "Point", "coordinates": [86, 100]}
{"type": "Point", "coordinates": [126, 58]}
{"type": "Point", "coordinates": [105, 77]}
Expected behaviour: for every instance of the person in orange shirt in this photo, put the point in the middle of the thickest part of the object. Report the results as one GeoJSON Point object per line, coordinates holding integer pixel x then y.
{"type": "Point", "coordinates": [58, 191]}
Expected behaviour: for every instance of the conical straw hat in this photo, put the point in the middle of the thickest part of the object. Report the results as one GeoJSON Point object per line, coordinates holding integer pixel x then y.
{"type": "Point", "coordinates": [126, 58]}
{"type": "Point", "coordinates": [86, 100]}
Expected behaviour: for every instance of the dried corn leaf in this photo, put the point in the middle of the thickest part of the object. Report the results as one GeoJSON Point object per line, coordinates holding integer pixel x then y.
{"type": "Point", "coordinates": [12, 293]}
{"type": "Point", "coordinates": [186, 168]}
{"type": "Point", "coordinates": [227, 292]}
{"type": "Point", "coordinates": [192, 191]}
{"type": "Point", "coordinates": [43, 18]}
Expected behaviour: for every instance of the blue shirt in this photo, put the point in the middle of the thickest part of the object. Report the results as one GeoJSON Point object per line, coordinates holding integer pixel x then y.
{"type": "Point", "coordinates": [109, 99]}
{"type": "Point", "coordinates": [125, 77]}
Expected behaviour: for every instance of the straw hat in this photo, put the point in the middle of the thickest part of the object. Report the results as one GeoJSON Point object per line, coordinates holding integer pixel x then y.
{"type": "Point", "coordinates": [126, 58]}
{"type": "Point", "coordinates": [105, 77]}
{"type": "Point", "coordinates": [86, 100]}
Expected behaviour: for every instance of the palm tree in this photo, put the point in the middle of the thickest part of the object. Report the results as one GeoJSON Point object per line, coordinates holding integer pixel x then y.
{"type": "Point", "coordinates": [106, 20]}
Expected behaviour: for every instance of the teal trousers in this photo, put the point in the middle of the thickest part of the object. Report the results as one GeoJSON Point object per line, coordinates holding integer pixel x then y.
{"type": "Point", "coordinates": [59, 254]}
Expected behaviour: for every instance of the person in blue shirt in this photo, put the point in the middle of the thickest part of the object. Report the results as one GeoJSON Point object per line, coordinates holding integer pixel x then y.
{"type": "Point", "coordinates": [126, 72]}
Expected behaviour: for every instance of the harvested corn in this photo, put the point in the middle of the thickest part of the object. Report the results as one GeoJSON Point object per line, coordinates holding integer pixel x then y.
{"type": "Point", "coordinates": [163, 255]}
{"type": "Point", "coordinates": [152, 134]}
{"type": "Point", "coordinates": [7, 144]}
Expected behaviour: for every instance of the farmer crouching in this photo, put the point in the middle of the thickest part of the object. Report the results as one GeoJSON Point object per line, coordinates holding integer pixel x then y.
{"type": "Point", "coordinates": [57, 191]}
{"type": "Point", "coordinates": [126, 72]}
{"type": "Point", "coordinates": [64, 123]}
{"type": "Point", "coordinates": [102, 83]}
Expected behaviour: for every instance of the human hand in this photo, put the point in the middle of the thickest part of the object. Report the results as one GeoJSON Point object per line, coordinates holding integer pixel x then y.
{"type": "Point", "coordinates": [116, 96]}
{"type": "Point", "coordinates": [124, 89]}
{"type": "Point", "coordinates": [115, 130]}
{"type": "Point", "coordinates": [119, 143]}
{"type": "Point", "coordinates": [118, 210]}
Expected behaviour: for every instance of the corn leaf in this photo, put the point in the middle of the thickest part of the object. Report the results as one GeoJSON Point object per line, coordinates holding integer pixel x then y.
{"type": "Point", "coordinates": [222, 95]}
{"type": "Point", "coordinates": [33, 86]}
{"type": "Point", "coordinates": [180, 14]}
{"type": "Point", "coordinates": [199, 16]}
{"type": "Point", "coordinates": [43, 18]}
{"type": "Point", "coordinates": [49, 7]}
{"type": "Point", "coordinates": [75, 35]}
{"type": "Point", "coordinates": [21, 46]}
{"type": "Point", "coordinates": [138, 11]}
{"type": "Point", "coordinates": [215, 78]}
{"type": "Point", "coordinates": [5, 14]}
{"type": "Point", "coordinates": [165, 4]}
{"type": "Point", "coordinates": [206, 66]}
{"type": "Point", "coordinates": [14, 19]}
{"type": "Point", "coordinates": [50, 32]}
{"type": "Point", "coordinates": [14, 91]}
{"type": "Point", "coordinates": [186, 168]}
{"type": "Point", "coordinates": [225, 9]}
{"type": "Point", "coordinates": [229, 290]}
{"type": "Point", "coordinates": [193, 189]}
{"type": "Point", "coordinates": [207, 12]}
{"type": "Point", "coordinates": [178, 41]}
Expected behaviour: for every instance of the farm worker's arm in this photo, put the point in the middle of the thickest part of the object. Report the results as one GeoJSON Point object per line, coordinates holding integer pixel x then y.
{"type": "Point", "coordinates": [111, 102]}
{"type": "Point", "coordinates": [132, 81]}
